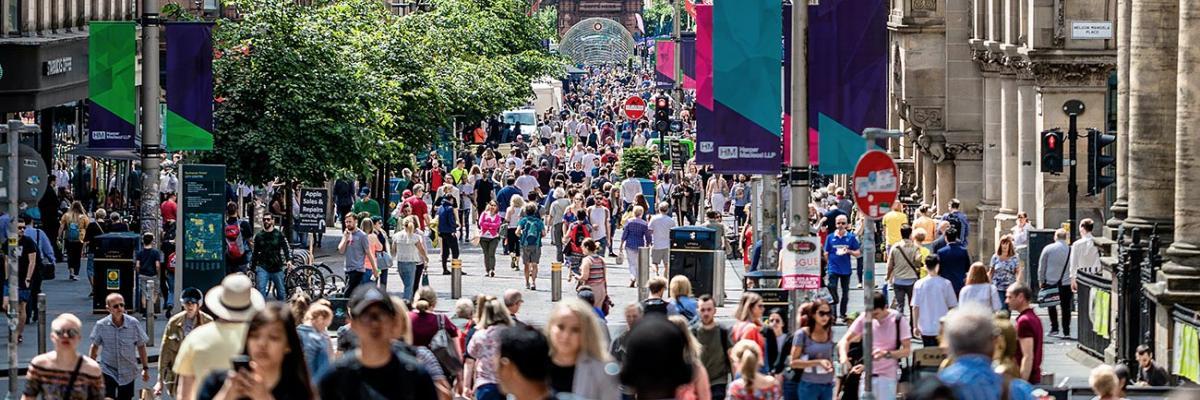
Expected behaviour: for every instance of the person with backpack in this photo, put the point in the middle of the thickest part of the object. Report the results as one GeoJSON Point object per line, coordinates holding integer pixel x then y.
{"type": "Point", "coordinates": [237, 241]}
{"type": "Point", "coordinates": [148, 263]}
{"type": "Point", "coordinates": [681, 298]}
{"type": "Point", "coordinates": [958, 220]}
{"type": "Point", "coordinates": [903, 267]}
{"type": "Point", "coordinates": [71, 229]}
{"type": "Point", "coordinates": [447, 227]}
{"type": "Point", "coordinates": [593, 275]}
{"type": "Point", "coordinates": [655, 302]}
{"type": "Point", "coordinates": [812, 351]}
{"type": "Point", "coordinates": [577, 231]}
{"type": "Point", "coordinates": [530, 230]}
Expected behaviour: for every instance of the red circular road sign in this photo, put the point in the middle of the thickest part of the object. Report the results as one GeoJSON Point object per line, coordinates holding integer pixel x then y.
{"type": "Point", "coordinates": [876, 183]}
{"type": "Point", "coordinates": [635, 107]}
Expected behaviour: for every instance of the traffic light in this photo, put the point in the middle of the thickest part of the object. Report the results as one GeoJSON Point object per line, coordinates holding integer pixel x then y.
{"type": "Point", "coordinates": [1052, 151]}
{"type": "Point", "coordinates": [1098, 161]}
{"type": "Point", "coordinates": [662, 115]}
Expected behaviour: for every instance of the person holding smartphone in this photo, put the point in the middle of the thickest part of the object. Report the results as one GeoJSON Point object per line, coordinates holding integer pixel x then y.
{"type": "Point", "coordinates": [269, 367]}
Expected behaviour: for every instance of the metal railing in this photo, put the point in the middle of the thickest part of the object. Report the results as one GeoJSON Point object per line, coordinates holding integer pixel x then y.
{"type": "Point", "coordinates": [1089, 341]}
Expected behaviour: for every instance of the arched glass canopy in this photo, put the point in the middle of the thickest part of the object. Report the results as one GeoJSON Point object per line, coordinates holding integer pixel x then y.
{"type": "Point", "coordinates": [597, 41]}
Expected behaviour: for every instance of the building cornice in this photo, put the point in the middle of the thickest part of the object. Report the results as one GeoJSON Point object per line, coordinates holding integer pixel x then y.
{"type": "Point", "coordinates": [1048, 68]}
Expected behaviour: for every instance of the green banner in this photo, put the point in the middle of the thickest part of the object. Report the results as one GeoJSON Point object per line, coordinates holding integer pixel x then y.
{"type": "Point", "coordinates": [112, 63]}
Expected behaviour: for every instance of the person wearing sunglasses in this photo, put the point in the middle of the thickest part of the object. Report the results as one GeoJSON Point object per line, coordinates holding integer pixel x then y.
{"type": "Point", "coordinates": [178, 327]}
{"type": "Point", "coordinates": [64, 373]}
{"type": "Point", "coordinates": [812, 351]}
{"type": "Point", "coordinates": [839, 248]}
{"type": "Point", "coordinates": [115, 339]}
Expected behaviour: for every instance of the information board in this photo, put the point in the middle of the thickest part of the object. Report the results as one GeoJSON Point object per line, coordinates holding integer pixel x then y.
{"type": "Point", "coordinates": [800, 262]}
{"type": "Point", "coordinates": [202, 209]}
{"type": "Point", "coordinates": [313, 205]}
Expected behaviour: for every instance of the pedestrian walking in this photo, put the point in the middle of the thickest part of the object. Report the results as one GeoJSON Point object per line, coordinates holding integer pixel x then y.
{"type": "Point", "coordinates": [212, 346]}
{"type": "Point", "coordinates": [660, 233]}
{"type": "Point", "coordinates": [489, 236]}
{"type": "Point", "coordinates": [635, 234]}
{"type": "Point", "coordinates": [903, 269]}
{"type": "Point", "coordinates": [839, 248]}
{"type": "Point", "coordinates": [238, 235]}
{"type": "Point", "coordinates": [1085, 255]}
{"type": "Point", "coordinates": [483, 349]}
{"type": "Point", "coordinates": [95, 228]}
{"type": "Point", "coordinates": [933, 297]}
{"type": "Point", "coordinates": [530, 230]}
{"type": "Point", "coordinates": [891, 341]}
{"type": "Point", "coordinates": [374, 246]}
{"type": "Point", "coordinates": [979, 289]}
{"type": "Point", "coordinates": [402, 343]}
{"type": "Point", "coordinates": [778, 344]}
{"type": "Point", "coordinates": [955, 260]}
{"type": "Point", "coordinates": [408, 249]}
{"type": "Point", "coordinates": [1029, 333]}
{"type": "Point", "coordinates": [271, 365]}
{"type": "Point", "coordinates": [63, 373]}
{"type": "Point", "coordinates": [178, 327]}
{"type": "Point", "coordinates": [315, 319]}
{"type": "Point", "coordinates": [72, 228]}
{"type": "Point", "coordinates": [148, 264]}
{"type": "Point", "coordinates": [1052, 277]}
{"type": "Point", "coordinates": [812, 352]}
{"type": "Point", "coordinates": [426, 322]}
{"type": "Point", "coordinates": [657, 364]}
{"type": "Point", "coordinates": [681, 299]}
{"type": "Point", "coordinates": [1005, 266]}
{"type": "Point", "coordinates": [119, 345]}
{"type": "Point", "coordinates": [593, 275]}
{"type": "Point", "coordinates": [554, 219]}
{"type": "Point", "coordinates": [271, 255]}
{"type": "Point", "coordinates": [29, 282]}
{"type": "Point", "coordinates": [749, 315]}
{"type": "Point", "coordinates": [699, 387]}
{"type": "Point", "coordinates": [355, 246]}
{"type": "Point", "coordinates": [382, 255]}
{"type": "Point", "coordinates": [970, 336]}
{"type": "Point", "coordinates": [633, 313]}
{"type": "Point", "coordinates": [579, 364]}
{"type": "Point", "coordinates": [1020, 237]}
{"type": "Point", "coordinates": [523, 364]}
{"type": "Point", "coordinates": [513, 215]}
{"type": "Point", "coordinates": [598, 215]}
{"type": "Point", "coordinates": [752, 385]}
{"type": "Point", "coordinates": [714, 347]}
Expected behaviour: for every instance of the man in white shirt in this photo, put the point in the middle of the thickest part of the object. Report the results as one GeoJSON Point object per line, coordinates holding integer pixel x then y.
{"type": "Point", "coordinates": [660, 236]}
{"type": "Point", "coordinates": [630, 188]}
{"type": "Point", "coordinates": [527, 183]}
{"type": "Point", "coordinates": [590, 160]}
{"type": "Point", "coordinates": [1084, 254]}
{"type": "Point", "coordinates": [545, 133]}
{"type": "Point", "coordinates": [933, 297]}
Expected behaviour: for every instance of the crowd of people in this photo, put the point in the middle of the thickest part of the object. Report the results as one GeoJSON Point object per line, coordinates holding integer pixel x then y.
{"type": "Point", "coordinates": [564, 186]}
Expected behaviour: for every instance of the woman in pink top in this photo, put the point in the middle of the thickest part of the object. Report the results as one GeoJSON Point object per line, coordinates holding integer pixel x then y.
{"type": "Point", "coordinates": [489, 236]}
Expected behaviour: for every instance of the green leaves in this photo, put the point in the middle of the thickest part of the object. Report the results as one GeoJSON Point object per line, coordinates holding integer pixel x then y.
{"type": "Point", "coordinates": [640, 160]}
{"type": "Point", "coordinates": [310, 92]}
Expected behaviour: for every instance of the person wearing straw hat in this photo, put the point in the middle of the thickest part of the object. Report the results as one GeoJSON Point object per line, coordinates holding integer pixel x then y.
{"type": "Point", "coordinates": [211, 346]}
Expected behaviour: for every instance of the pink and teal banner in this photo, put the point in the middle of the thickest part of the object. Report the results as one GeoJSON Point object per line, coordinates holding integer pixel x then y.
{"type": "Point", "coordinates": [747, 85]}
{"type": "Point", "coordinates": [705, 132]}
{"type": "Point", "coordinates": [189, 120]}
{"type": "Point", "coordinates": [112, 109]}
{"type": "Point", "coordinates": [664, 63]}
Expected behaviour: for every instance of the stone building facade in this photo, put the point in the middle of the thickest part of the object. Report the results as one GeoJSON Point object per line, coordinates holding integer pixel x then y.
{"type": "Point", "coordinates": [625, 12]}
{"type": "Point", "coordinates": [974, 82]}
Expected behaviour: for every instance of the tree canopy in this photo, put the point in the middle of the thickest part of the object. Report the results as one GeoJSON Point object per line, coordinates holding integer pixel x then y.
{"type": "Point", "coordinates": [308, 92]}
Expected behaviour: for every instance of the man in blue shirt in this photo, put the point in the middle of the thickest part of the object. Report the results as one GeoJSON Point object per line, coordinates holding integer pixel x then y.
{"type": "Point", "coordinates": [504, 196]}
{"type": "Point", "coordinates": [840, 247]}
{"type": "Point", "coordinates": [970, 333]}
{"type": "Point", "coordinates": [956, 261]}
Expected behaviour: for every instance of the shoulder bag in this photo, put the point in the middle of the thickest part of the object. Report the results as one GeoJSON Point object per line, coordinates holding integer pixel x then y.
{"type": "Point", "coordinates": [446, 351]}
{"type": "Point", "coordinates": [911, 264]}
{"type": "Point", "coordinates": [70, 387]}
{"type": "Point", "coordinates": [1049, 296]}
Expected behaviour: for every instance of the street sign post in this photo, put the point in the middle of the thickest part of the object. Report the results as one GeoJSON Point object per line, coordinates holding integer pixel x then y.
{"type": "Point", "coordinates": [635, 107]}
{"type": "Point", "coordinates": [876, 187]}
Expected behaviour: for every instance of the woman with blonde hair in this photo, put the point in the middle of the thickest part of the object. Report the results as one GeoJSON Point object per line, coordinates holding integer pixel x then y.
{"type": "Point", "coordinates": [979, 288]}
{"type": "Point", "coordinates": [513, 215]}
{"type": "Point", "coordinates": [1104, 383]}
{"type": "Point", "coordinates": [71, 228]}
{"type": "Point", "coordinates": [579, 362]}
{"type": "Point", "coordinates": [484, 349]}
{"type": "Point", "coordinates": [749, 320]}
{"type": "Point", "coordinates": [752, 385]}
{"type": "Point", "coordinates": [408, 250]}
{"type": "Point", "coordinates": [1005, 266]}
{"type": "Point", "coordinates": [1004, 356]}
{"type": "Point", "coordinates": [425, 322]}
{"type": "Point", "coordinates": [698, 388]}
{"type": "Point", "coordinates": [681, 297]}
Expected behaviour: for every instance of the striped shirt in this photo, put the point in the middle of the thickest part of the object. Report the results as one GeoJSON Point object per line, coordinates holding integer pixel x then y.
{"type": "Point", "coordinates": [119, 347]}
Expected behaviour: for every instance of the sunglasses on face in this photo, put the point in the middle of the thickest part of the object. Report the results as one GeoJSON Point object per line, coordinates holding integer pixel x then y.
{"type": "Point", "coordinates": [823, 313]}
{"type": "Point", "coordinates": [67, 333]}
{"type": "Point", "coordinates": [116, 306]}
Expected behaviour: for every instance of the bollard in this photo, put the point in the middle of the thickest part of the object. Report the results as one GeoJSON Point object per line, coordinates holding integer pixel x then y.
{"type": "Point", "coordinates": [643, 272]}
{"type": "Point", "coordinates": [718, 287]}
{"type": "Point", "coordinates": [41, 322]}
{"type": "Point", "coordinates": [152, 293]}
{"type": "Point", "coordinates": [455, 278]}
{"type": "Point", "coordinates": [555, 281]}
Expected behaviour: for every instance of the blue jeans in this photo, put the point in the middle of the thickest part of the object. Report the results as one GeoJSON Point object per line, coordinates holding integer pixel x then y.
{"type": "Point", "coordinates": [815, 391]}
{"type": "Point", "coordinates": [408, 272]}
{"type": "Point", "coordinates": [791, 390]}
{"type": "Point", "coordinates": [842, 300]}
{"type": "Point", "coordinates": [488, 391]}
{"type": "Point", "coordinates": [263, 277]}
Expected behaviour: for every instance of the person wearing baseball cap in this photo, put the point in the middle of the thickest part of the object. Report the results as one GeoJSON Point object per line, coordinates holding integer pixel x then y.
{"type": "Point", "coordinates": [178, 327]}
{"type": "Point", "coordinates": [373, 370]}
{"type": "Point", "coordinates": [211, 346]}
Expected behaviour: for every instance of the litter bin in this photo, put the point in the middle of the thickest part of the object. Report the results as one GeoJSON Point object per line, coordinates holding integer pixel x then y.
{"type": "Point", "coordinates": [114, 268]}
{"type": "Point", "coordinates": [693, 254]}
{"type": "Point", "coordinates": [1038, 240]}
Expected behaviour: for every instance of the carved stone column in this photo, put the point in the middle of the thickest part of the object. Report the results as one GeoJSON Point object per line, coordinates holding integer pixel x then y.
{"type": "Point", "coordinates": [992, 158]}
{"type": "Point", "coordinates": [1183, 272]}
{"type": "Point", "coordinates": [1120, 207]}
{"type": "Point", "coordinates": [1027, 146]}
{"type": "Point", "coordinates": [1153, 59]}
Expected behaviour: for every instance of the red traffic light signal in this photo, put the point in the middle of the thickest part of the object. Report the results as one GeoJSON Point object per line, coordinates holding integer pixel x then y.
{"type": "Point", "coordinates": [1052, 151]}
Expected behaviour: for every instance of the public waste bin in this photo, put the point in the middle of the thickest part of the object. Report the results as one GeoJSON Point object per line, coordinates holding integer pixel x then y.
{"type": "Point", "coordinates": [693, 254]}
{"type": "Point", "coordinates": [113, 271]}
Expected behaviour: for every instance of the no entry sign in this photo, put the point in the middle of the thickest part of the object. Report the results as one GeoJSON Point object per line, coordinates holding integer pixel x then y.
{"type": "Point", "coordinates": [635, 107]}
{"type": "Point", "coordinates": [876, 183]}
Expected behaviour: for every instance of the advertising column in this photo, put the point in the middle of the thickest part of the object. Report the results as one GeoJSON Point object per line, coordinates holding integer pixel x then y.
{"type": "Point", "coordinates": [201, 227]}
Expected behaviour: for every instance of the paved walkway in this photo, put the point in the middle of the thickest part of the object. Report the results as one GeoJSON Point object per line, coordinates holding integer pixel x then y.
{"type": "Point", "coordinates": [72, 296]}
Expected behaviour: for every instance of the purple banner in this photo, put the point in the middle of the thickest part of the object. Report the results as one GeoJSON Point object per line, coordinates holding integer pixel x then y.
{"type": "Point", "coordinates": [848, 59]}
{"type": "Point", "coordinates": [189, 117]}
{"type": "Point", "coordinates": [687, 62]}
{"type": "Point", "coordinates": [108, 131]}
